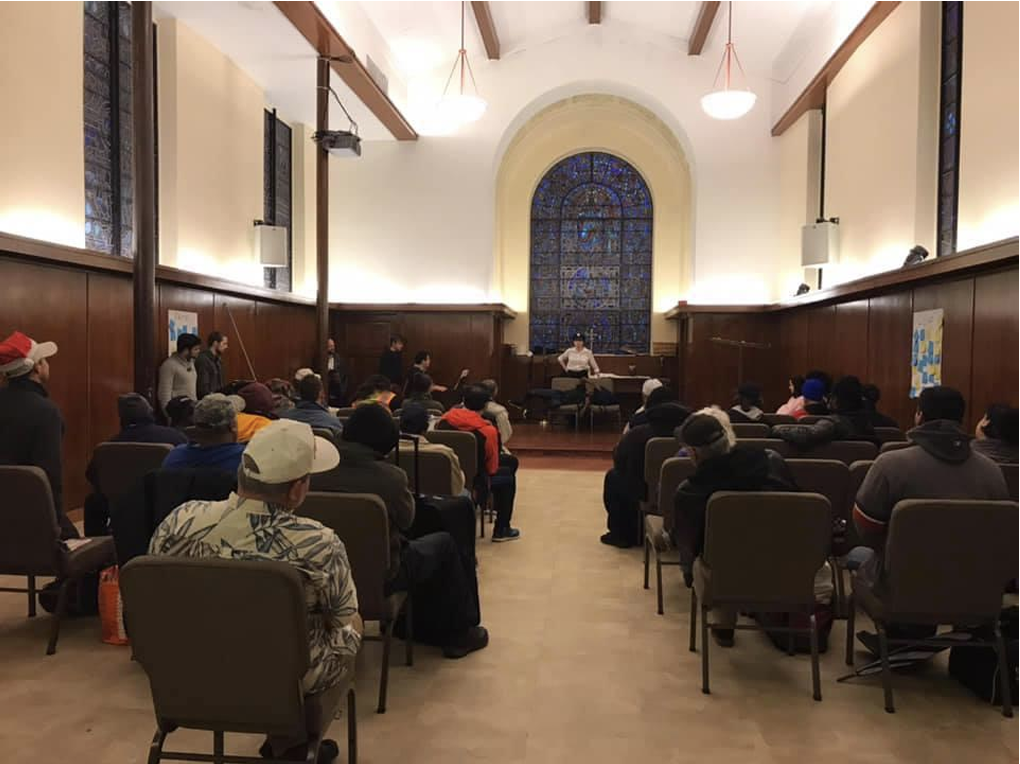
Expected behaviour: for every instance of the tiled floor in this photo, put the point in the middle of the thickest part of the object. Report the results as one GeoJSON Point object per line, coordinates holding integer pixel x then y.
{"type": "Point", "coordinates": [579, 669]}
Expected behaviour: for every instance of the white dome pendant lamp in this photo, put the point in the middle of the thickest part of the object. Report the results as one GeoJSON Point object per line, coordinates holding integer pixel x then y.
{"type": "Point", "coordinates": [459, 107]}
{"type": "Point", "coordinates": [728, 102]}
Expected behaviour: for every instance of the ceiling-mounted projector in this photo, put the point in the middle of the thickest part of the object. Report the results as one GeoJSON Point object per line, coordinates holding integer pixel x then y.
{"type": "Point", "coordinates": [339, 143]}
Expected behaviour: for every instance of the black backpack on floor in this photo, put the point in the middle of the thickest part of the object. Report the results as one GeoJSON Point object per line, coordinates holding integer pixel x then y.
{"type": "Point", "coordinates": [977, 668]}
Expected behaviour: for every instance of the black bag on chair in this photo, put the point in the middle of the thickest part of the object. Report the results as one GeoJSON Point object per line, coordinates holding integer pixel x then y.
{"type": "Point", "coordinates": [977, 668]}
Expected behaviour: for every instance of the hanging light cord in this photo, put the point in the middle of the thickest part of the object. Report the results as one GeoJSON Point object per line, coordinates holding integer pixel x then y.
{"type": "Point", "coordinates": [461, 60]}
{"type": "Point", "coordinates": [730, 52]}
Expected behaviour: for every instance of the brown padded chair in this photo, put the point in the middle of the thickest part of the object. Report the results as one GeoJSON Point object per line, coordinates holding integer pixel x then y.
{"type": "Point", "coordinates": [674, 471]}
{"type": "Point", "coordinates": [435, 478]}
{"type": "Point", "coordinates": [945, 562]}
{"type": "Point", "coordinates": [467, 448]}
{"type": "Point", "coordinates": [1009, 471]}
{"type": "Point", "coordinates": [565, 385]}
{"type": "Point", "coordinates": [774, 419]}
{"type": "Point", "coordinates": [202, 629]}
{"type": "Point", "coordinates": [846, 451]}
{"type": "Point", "coordinates": [781, 447]}
{"type": "Point", "coordinates": [894, 445]}
{"type": "Point", "coordinates": [361, 522]}
{"type": "Point", "coordinates": [657, 451]}
{"type": "Point", "coordinates": [751, 430]}
{"type": "Point", "coordinates": [810, 419]}
{"type": "Point", "coordinates": [890, 435]}
{"type": "Point", "coordinates": [345, 412]}
{"type": "Point", "coordinates": [120, 467]}
{"type": "Point", "coordinates": [762, 552]}
{"type": "Point", "coordinates": [30, 544]}
{"type": "Point", "coordinates": [322, 432]}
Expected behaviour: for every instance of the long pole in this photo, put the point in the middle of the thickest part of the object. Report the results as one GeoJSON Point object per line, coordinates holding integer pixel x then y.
{"type": "Point", "coordinates": [322, 216]}
{"type": "Point", "coordinates": [144, 158]}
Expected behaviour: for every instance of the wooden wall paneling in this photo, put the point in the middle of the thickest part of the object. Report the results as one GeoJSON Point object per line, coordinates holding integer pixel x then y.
{"type": "Point", "coordinates": [890, 322]}
{"type": "Point", "coordinates": [994, 359]}
{"type": "Point", "coordinates": [711, 369]}
{"type": "Point", "coordinates": [243, 313]}
{"type": "Point", "coordinates": [822, 353]}
{"type": "Point", "coordinates": [361, 340]}
{"type": "Point", "coordinates": [285, 340]}
{"type": "Point", "coordinates": [956, 298]}
{"type": "Point", "coordinates": [793, 344]}
{"type": "Point", "coordinates": [50, 304]}
{"type": "Point", "coordinates": [849, 339]}
{"type": "Point", "coordinates": [110, 352]}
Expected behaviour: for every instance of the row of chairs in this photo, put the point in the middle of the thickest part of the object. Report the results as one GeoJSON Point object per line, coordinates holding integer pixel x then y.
{"type": "Point", "coordinates": [763, 430]}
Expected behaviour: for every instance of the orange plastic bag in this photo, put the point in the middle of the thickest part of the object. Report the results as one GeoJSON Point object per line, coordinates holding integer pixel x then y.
{"type": "Point", "coordinates": [111, 607]}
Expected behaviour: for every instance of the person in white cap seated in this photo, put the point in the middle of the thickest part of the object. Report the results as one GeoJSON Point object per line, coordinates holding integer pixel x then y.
{"type": "Point", "coordinates": [258, 523]}
{"type": "Point", "coordinates": [31, 426]}
{"type": "Point", "coordinates": [638, 417]}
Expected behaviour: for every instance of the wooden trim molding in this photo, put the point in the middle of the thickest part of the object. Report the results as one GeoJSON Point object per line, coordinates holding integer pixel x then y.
{"type": "Point", "coordinates": [487, 28]}
{"type": "Point", "coordinates": [594, 13]}
{"type": "Point", "coordinates": [323, 37]}
{"type": "Point", "coordinates": [168, 275]}
{"type": "Point", "coordinates": [702, 26]}
{"type": "Point", "coordinates": [987, 257]}
{"type": "Point", "coordinates": [498, 310]}
{"type": "Point", "coordinates": [813, 96]}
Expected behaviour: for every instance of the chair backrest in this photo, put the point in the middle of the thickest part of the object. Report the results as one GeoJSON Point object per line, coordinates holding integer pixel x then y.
{"type": "Point", "coordinates": [894, 445]}
{"type": "Point", "coordinates": [774, 419]}
{"type": "Point", "coordinates": [120, 467]}
{"type": "Point", "coordinates": [435, 478]}
{"type": "Point", "coordinates": [675, 470]}
{"type": "Point", "coordinates": [1009, 471]}
{"type": "Point", "coordinates": [890, 435]}
{"type": "Point", "coordinates": [779, 446]}
{"type": "Point", "coordinates": [810, 419]}
{"type": "Point", "coordinates": [657, 451]}
{"type": "Point", "coordinates": [345, 412]}
{"type": "Point", "coordinates": [322, 432]}
{"type": "Point", "coordinates": [30, 539]}
{"type": "Point", "coordinates": [764, 548]}
{"type": "Point", "coordinates": [202, 630]}
{"type": "Point", "coordinates": [464, 444]}
{"type": "Point", "coordinates": [846, 451]}
{"type": "Point", "coordinates": [858, 471]}
{"type": "Point", "coordinates": [751, 430]}
{"type": "Point", "coordinates": [829, 477]}
{"type": "Point", "coordinates": [360, 520]}
{"type": "Point", "coordinates": [948, 560]}
{"type": "Point", "coordinates": [566, 384]}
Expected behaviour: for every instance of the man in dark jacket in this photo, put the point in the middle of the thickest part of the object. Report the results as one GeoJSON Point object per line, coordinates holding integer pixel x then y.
{"type": "Point", "coordinates": [849, 420]}
{"type": "Point", "coordinates": [337, 377]}
{"type": "Point", "coordinates": [310, 408]}
{"type": "Point", "coordinates": [624, 484]}
{"type": "Point", "coordinates": [720, 465]}
{"type": "Point", "coordinates": [430, 568]}
{"type": "Point", "coordinates": [31, 427]}
{"type": "Point", "coordinates": [209, 366]}
{"type": "Point", "coordinates": [391, 362]}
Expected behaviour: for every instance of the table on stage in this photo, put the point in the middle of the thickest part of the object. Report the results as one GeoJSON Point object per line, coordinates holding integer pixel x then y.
{"type": "Point", "coordinates": [626, 389]}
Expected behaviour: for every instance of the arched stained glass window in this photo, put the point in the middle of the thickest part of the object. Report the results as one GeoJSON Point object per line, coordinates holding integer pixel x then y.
{"type": "Point", "coordinates": [591, 255]}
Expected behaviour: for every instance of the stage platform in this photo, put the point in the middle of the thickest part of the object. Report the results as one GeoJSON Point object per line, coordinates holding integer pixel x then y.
{"type": "Point", "coordinates": [560, 447]}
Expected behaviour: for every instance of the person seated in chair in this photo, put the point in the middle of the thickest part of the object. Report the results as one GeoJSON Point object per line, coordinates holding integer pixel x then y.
{"type": "Point", "coordinates": [414, 420]}
{"type": "Point", "coordinates": [748, 404]}
{"type": "Point", "coordinates": [258, 411]}
{"type": "Point", "coordinates": [849, 419]}
{"type": "Point", "coordinates": [872, 395]}
{"type": "Point", "coordinates": [375, 389]}
{"type": "Point", "coordinates": [496, 412]}
{"type": "Point", "coordinates": [258, 522]}
{"type": "Point", "coordinates": [311, 406]}
{"type": "Point", "coordinates": [419, 391]}
{"type": "Point", "coordinates": [624, 485]}
{"type": "Point", "coordinates": [638, 417]}
{"type": "Point", "coordinates": [995, 435]}
{"type": "Point", "coordinates": [213, 437]}
{"type": "Point", "coordinates": [719, 465]}
{"type": "Point", "coordinates": [431, 568]}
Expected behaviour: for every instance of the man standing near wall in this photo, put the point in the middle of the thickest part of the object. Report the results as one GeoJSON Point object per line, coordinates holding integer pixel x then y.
{"type": "Point", "coordinates": [177, 376]}
{"type": "Point", "coordinates": [209, 366]}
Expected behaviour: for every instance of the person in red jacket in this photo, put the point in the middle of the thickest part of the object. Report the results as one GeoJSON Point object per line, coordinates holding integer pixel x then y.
{"type": "Point", "coordinates": [502, 472]}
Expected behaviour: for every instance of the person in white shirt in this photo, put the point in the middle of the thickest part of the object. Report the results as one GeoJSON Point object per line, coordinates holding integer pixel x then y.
{"type": "Point", "coordinates": [578, 361]}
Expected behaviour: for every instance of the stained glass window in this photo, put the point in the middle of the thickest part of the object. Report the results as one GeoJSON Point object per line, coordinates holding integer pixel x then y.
{"type": "Point", "coordinates": [949, 125]}
{"type": "Point", "coordinates": [109, 170]}
{"type": "Point", "coordinates": [591, 255]}
{"type": "Point", "coordinates": [276, 192]}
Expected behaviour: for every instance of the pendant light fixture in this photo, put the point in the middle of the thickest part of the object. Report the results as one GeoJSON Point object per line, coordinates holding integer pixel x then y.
{"type": "Point", "coordinates": [460, 107]}
{"type": "Point", "coordinates": [728, 102]}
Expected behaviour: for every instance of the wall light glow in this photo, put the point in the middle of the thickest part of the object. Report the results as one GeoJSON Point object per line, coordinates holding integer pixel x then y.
{"type": "Point", "coordinates": [1000, 223]}
{"type": "Point", "coordinates": [731, 289]}
{"type": "Point", "coordinates": [43, 225]}
{"type": "Point", "coordinates": [239, 270]}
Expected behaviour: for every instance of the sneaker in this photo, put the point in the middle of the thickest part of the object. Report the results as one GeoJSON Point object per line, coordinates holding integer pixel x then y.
{"type": "Point", "coordinates": [505, 534]}
{"type": "Point", "coordinates": [611, 539]}
{"type": "Point", "coordinates": [473, 639]}
{"type": "Point", "coordinates": [870, 641]}
{"type": "Point", "coordinates": [723, 637]}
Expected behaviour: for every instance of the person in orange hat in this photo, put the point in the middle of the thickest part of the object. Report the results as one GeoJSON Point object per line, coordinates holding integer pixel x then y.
{"type": "Point", "coordinates": [31, 426]}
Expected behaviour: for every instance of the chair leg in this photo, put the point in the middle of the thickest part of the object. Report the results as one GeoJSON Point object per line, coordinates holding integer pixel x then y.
{"type": "Point", "coordinates": [408, 633]}
{"type": "Point", "coordinates": [816, 680]}
{"type": "Point", "coordinates": [704, 650]}
{"type": "Point", "coordinates": [217, 737]}
{"type": "Point", "coordinates": [1004, 675]}
{"type": "Point", "coordinates": [31, 596]}
{"type": "Point", "coordinates": [883, 654]}
{"type": "Point", "coordinates": [481, 522]}
{"type": "Point", "coordinates": [57, 615]}
{"type": "Point", "coordinates": [658, 582]}
{"type": "Point", "coordinates": [850, 618]}
{"type": "Point", "coordinates": [837, 574]}
{"type": "Point", "coordinates": [384, 679]}
{"type": "Point", "coordinates": [694, 622]}
{"type": "Point", "coordinates": [648, 554]}
{"type": "Point", "coordinates": [156, 747]}
{"type": "Point", "coordinates": [352, 727]}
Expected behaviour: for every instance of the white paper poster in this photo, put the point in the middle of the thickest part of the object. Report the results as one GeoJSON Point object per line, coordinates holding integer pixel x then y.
{"type": "Point", "coordinates": [180, 322]}
{"type": "Point", "coordinates": [926, 351]}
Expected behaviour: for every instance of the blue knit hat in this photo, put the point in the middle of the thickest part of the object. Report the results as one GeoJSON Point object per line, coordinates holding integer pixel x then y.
{"type": "Point", "coordinates": [813, 390]}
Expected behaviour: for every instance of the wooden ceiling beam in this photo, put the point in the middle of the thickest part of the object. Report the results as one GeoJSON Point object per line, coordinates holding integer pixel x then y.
{"type": "Point", "coordinates": [326, 41]}
{"type": "Point", "coordinates": [487, 28]}
{"type": "Point", "coordinates": [594, 13]}
{"type": "Point", "coordinates": [702, 26]}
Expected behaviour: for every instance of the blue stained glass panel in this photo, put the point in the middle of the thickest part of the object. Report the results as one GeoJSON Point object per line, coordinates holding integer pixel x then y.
{"type": "Point", "coordinates": [591, 255]}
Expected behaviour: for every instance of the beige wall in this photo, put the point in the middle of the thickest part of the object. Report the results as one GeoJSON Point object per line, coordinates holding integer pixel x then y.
{"type": "Point", "coordinates": [42, 166]}
{"type": "Point", "coordinates": [303, 274]}
{"type": "Point", "coordinates": [211, 146]}
{"type": "Point", "coordinates": [989, 126]}
{"type": "Point", "coordinates": [881, 154]}
{"type": "Point", "coordinates": [800, 151]}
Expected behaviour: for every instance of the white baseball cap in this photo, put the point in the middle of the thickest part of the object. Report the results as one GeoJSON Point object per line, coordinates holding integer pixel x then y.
{"type": "Point", "coordinates": [19, 354]}
{"type": "Point", "coordinates": [287, 450]}
{"type": "Point", "coordinates": [649, 386]}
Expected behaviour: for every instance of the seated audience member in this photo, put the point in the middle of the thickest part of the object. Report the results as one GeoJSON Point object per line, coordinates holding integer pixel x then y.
{"type": "Point", "coordinates": [311, 407]}
{"type": "Point", "coordinates": [657, 397]}
{"type": "Point", "coordinates": [796, 401]}
{"type": "Point", "coordinates": [138, 423]}
{"type": "Point", "coordinates": [502, 469]}
{"type": "Point", "coordinates": [422, 364]}
{"type": "Point", "coordinates": [283, 395]}
{"type": "Point", "coordinates": [822, 377]}
{"type": "Point", "coordinates": [872, 395]}
{"type": "Point", "coordinates": [414, 420]}
{"type": "Point", "coordinates": [996, 434]}
{"type": "Point", "coordinates": [497, 412]}
{"type": "Point", "coordinates": [375, 389]}
{"type": "Point", "coordinates": [441, 582]}
{"type": "Point", "coordinates": [848, 421]}
{"type": "Point", "coordinates": [179, 412]}
{"type": "Point", "coordinates": [258, 411]}
{"type": "Point", "coordinates": [940, 464]}
{"type": "Point", "coordinates": [749, 403]}
{"type": "Point", "coordinates": [419, 390]}
{"type": "Point", "coordinates": [720, 465]}
{"type": "Point", "coordinates": [213, 437]}
{"type": "Point", "coordinates": [647, 389]}
{"type": "Point", "coordinates": [813, 392]}
{"type": "Point", "coordinates": [258, 523]}
{"type": "Point", "coordinates": [624, 485]}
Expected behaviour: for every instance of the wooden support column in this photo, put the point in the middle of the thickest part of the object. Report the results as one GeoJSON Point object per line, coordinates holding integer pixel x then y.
{"type": "Point", "coordinates": [144, 157]}
{"type": "Point", "coordinates": [322, 216]}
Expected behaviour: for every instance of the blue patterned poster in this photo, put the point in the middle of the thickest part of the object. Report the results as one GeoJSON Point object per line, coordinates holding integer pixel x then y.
{"type": "Point", "coordinates": [926, 351]}
{"type": "Point", "coordinates": [180, 322]}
